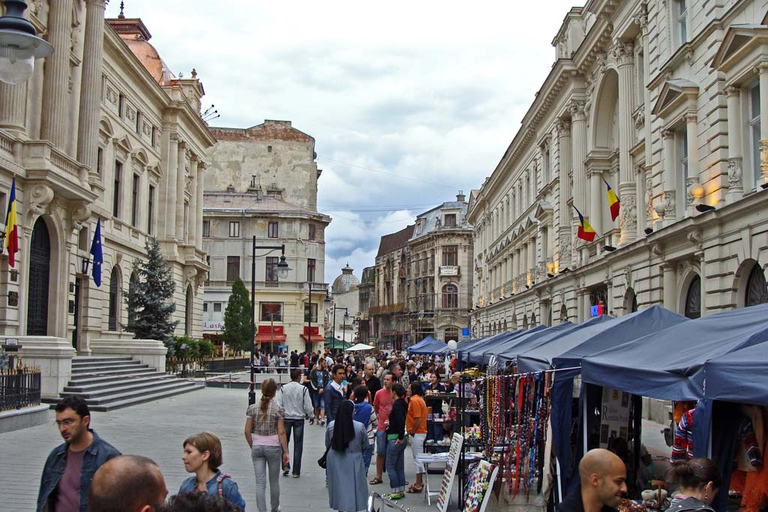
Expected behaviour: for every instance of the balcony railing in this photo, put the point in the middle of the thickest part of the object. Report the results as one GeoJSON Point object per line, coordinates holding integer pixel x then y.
{"type": "Point", "coordinates": [389, 308]}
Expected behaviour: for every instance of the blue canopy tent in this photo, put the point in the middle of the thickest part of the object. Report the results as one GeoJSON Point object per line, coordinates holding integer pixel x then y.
{"type": "Point", "coordinates": [739, 376]}
{"type": "Point", "coordinates": [432, 346]}
{"type": "Point", "coordinates": [475, 354]}
{"type": "Point", "coordinates": [669, 365]}
{"type": "Point", "coordinates": [527, 340]}
{"type": "Point", "coordinates": [420, 344]}
{"type": "Point", "coordinates": [465, 346]}
{"type": "Point", "coordinates": [568, 351]}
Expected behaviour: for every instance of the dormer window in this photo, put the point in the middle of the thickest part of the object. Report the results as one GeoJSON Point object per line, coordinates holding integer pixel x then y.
{"type": "Point", "coordinates": [450, 220]}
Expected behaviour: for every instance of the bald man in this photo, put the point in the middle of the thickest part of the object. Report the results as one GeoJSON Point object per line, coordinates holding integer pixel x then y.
{"type": "Point", "coordinates": [128, 483]}
{"type": "Point", "coordinates": [603, 478]}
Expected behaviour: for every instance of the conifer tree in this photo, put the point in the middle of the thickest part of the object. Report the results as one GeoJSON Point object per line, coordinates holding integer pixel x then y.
{"type": "Point", "coordinates": [237, 318]}
{"type": "Point", "coordinates": [150, 299]}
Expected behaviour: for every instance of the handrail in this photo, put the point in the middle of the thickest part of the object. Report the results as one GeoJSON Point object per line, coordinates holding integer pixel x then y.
{"type": "Point", "coordinates": [374, 496]}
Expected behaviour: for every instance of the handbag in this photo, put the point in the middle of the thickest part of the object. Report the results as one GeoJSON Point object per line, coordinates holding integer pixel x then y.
{"type": "Point", "coordinates": [322, 461]}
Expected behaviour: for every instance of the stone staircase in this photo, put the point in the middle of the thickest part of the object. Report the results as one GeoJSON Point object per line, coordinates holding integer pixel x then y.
{"type": "Point", "coordinates": [109, 383]}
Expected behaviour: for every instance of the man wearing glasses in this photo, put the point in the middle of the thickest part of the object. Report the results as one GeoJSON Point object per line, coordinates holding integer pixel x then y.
{"type": "Point", "coordinates": [70, 467]}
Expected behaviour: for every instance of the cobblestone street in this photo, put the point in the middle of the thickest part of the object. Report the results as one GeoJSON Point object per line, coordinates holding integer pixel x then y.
{"type": "Point", "coordinates": [157, 429]}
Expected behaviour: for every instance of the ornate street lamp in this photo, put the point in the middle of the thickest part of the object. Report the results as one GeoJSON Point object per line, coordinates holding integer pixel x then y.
{"type": "Point", "coordinates": [19, 44]}
{"type": "Point", "coordinates": [282, 272]}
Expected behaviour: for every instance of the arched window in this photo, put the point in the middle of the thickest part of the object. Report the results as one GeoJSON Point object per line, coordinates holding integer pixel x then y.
{"type": "Point", "coordinates": [630, 301]}
{"type": "Point", "coordinates": [451, 333]}
{"type": "Point", "coordinates": [450, 296]}
{"type": "Point", "coordinates": [756, 292]}
{"type": "Point", "coordinates": [525, 322]}
{"type": "Point", "coordinates": [563, 313]}
{"type": "Point", "coordinates": [188, 312]}
{"type": "Point", "coordinates": [533, 320]}
{"type": "Point", "coordinates": [693, 299]}
{"type": "Point", "coordinates": [39, 280]}
{"type": "Point", "coordinates": [505, 326]}
{"type": "Point", "coordinates": [114, 298]}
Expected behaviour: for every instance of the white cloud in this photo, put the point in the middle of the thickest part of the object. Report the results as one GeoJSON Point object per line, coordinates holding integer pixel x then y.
{"type": "Point", "coordinates": [431, 90]}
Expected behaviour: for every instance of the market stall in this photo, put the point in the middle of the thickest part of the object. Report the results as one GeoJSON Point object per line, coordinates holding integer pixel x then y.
{"type": "Point", "coordinates": [475, 354]}
{"type": "Point", "coordinates": [427, 346]}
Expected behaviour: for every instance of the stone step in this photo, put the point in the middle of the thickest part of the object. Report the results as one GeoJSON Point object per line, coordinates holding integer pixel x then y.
{"type": "Point", "coordinates": [119, 404]}
{"type": "Point", "coordinates": [126, 392]}
{"type": "Point", "coordinates": [103, 388]}
{"type": "Point", "coordinates": [86, 380]}
{"type": "Point", "coordinates": [98, 359]}
{"type": "Point", "coordinates": [105, 364]}
{"type": "Point", "coordinates": [122, 370]}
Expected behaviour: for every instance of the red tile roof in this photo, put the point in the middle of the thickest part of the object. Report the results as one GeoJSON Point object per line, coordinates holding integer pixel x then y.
{"type": "Point", "coordinates": [395, 241]}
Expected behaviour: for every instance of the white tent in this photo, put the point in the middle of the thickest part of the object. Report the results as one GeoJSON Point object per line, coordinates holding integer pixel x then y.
{"type": "Point", "coordinates": [360, 347]}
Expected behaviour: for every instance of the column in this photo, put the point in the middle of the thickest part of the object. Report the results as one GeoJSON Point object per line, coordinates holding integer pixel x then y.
{"type": "Point", "coordinates": [596, 187]}
{"type": "Point", "coordinates": [172, 171]}
{"type": "Point", "coordinates": [200, 206]}
{"type": "Point", "coordinates": [583, 305]}
{"type": "Point", "coordinates": [627, 189]}
{"type": "Point", "coordinates": [193, 203]}
{"type": "Point", "coordinates": [692, 178]}
{"type": "Point", "coordinates": [578, 154]}
{"type": "Point", "coordinates": [669, 285]}
{"type": "Point", "coordinates": [90, 86]}
{"type": "Point", "coordinates": [180, 187]}
{"type": "Point", "coordinates": [564, 173]}
{"type": "Point", "coordinates": [55, 112]}
{"type": "Point", "coordinates": [13, 98]}
{"type": "Point", "coordinates": [668, 137]}
{"type": "Point", "coordinates": [763, 68]}
{"type": "Point", "coordinates": [735, 182]}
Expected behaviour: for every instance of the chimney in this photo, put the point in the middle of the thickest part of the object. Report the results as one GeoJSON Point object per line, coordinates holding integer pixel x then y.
{"type": "Point", "coordinates": [460, 197]}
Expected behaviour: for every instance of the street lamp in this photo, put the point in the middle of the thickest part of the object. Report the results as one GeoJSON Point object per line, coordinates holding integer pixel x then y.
{"type": "Point", "coordinates": [282, 272]}
{"type": "Point", "coordinates": [19, 44]}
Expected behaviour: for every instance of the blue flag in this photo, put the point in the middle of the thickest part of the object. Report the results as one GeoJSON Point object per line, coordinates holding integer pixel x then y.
{"type": "Point", "coordinates": [98, 255]}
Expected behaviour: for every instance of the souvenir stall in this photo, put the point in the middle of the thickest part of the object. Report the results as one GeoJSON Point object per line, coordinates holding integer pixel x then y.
{"type": "Point", "coordinates": [669, 365]}
{"type": "Point", "coordinates": [474, 356]}
{"type": "Point", "coordinates": [426, 346]}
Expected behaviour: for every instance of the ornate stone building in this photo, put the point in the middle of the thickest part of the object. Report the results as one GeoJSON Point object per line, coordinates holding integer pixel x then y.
{"type": "Point", "coordinates": [389, 313]}
{"type": "Point", "coordinates": [263, 182]}
{"type": "Point", "coordinates": [102, 130]}
{"type": "Point", "coordinates": [663, 100]}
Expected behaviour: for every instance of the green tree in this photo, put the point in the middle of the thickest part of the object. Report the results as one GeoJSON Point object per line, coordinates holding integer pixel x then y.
{"type": "Point", "coordinates": [150, 300]}
{"type": "Point", "coordinates": [237, 318]}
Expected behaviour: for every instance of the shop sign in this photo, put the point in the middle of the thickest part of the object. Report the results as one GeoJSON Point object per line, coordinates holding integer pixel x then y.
{"type": "Point", "coordinates": [451, 270]}
{"type": "Point", "coordinates": [213, 325]}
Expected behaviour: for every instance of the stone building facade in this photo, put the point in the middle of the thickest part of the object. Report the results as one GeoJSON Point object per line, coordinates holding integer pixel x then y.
{"type": "Point", "coordinates": [663, 100]}
{"type": "Point", "coordinates": [345, 293]}
{"type": "Point", "coordinates": [389, 314]}
{"type": "Point", "coordinates": [262, 182]}
{"type": "Point", "coordinates": [101, 131]}
{"type": "Point", "coordinates": [367, 296]}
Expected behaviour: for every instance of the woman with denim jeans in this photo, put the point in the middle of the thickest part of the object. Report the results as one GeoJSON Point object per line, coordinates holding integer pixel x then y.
{"type": "Point", "coordinates": [365, 414]}
{"type": "Point", "coordinates": [265, 433]}
{"type": "Point", "coordinates": [396, 443]}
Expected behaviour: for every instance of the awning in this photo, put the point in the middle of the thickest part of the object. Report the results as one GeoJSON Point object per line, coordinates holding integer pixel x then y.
{"type": "Point", "coordinates": [315, 338]}
{"type": "Point", "coordinates": [270, 338]}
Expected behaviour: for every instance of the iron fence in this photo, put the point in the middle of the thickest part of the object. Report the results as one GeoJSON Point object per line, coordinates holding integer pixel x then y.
{"type": "Point", "coordinates": [186, 367]}
{"type": "Point", "coordinates": [19, 388]}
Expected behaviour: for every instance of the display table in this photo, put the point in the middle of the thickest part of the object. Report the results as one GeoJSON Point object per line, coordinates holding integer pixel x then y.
{"type": "Point", "coordinates": [426, 459]}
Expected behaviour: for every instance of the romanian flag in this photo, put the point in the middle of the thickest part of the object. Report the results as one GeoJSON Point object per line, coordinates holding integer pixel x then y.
{"type": "Point", "coordinates": [12, 227]}
{"type": "Point", "coordinates": [613, 202]}
{"type": "Point", "coordinates": [585, 230]}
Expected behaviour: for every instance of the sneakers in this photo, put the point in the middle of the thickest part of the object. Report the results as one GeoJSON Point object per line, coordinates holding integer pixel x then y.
{"type": "Point", "coordinates": [396, 496]}
{"type": "Point", "coordinates": [285, 472]}
{"type": "Point", "coordinates": [295, 475]}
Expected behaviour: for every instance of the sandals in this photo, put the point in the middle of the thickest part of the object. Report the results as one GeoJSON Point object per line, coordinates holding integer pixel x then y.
{"type": "Point", "coordinates": [376, 481]}
{"type": "Point", "coordinates": [415, 490]}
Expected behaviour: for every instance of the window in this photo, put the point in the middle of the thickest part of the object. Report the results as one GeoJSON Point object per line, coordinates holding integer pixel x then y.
{"type": "Point", "coordinates": [116, 191]}
{"type": "Point", "coordinates": [138, 122]}
{"type": "Point", "coordinates": [450, 256]}
{"type": "Point", "coordinates": [217, 307]}
{"type": "Point", "coordinates": [756, 292]}
{"type": "Point", "coordinates": [100, 162]}
{"type": "Point", "coordinates": [185, 224]}
{"type": "Point", "coordinates": [450, 296]}
{"type": "Point", "coordinates": [121, 105]}
{"type": "Point", "coordinates": [693, 299]}
{"type": "Point", "coordinates": [135, 200]}
{"type": "Point", "coordinates": [311, 264]}
{"type": "Point", "coordinates": [754, 132]}
{"type": "Point", "coordinates": [272, 231]}
{"type": "Point", "coordinates": [154, 137]}
{"type": "Point", "coordinates": [269, 149]}
{"type": "Point", "coordinates": [233, 268]}
{"type": "Point", "coordinates": [114, 298]}
{"type": "Point", "coordinates": [451, 333]}
{"type": "Point", "coordinates": [314, 313]}
{"type": "Point", "coordinates": [82, 239]}
{"type": "Point", "coordinates": [682, 164]}
{"type": "Point", "coordinates": [206, 228]}
{"type": "Point", "coordinates": [271, 269]}
{"type": "Point", "coordinates": [205, 307]}
{"type": "Point", "coordinates": [450, 220]}
{"type": "Point", "coordinates": [640, 89]}
{"type": "Point", "coordinates": [682, 21]}
{"type": "Point", "coordinates": [151, 212]}
{"type": "Point", "coordinates": [271, 311]}
{"type": "Point", "coordinates": [312, 232]}
{"type": "Point", "coordinates": [234, 229]}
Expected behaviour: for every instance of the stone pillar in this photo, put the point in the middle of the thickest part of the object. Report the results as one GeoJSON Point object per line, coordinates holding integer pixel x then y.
{"type": "Point", "coordinates": [763, 70]}
{"type": "Point", "coordinates": [596, 187]}
{"type": "Point", "coordinates": [180, 188]}
{"type": "Point", "coordinates": [90, 88]}
{"type": "Point", "coordinates": [578, 154]}
{"type": "Point", "coordinates": [692, 177]}
{"type": "Point", "coordinates": [55, 113]}
{"type": "Point", "coordinates": [669, 286]}
{"type": "Point", "coordinates": [200, 205]}
{"type": "Point", "coordinates": [170, 205]}
{"type": "Point", "coordinates": [627, 188]}
{"type": "Point", "coordinates": [583, 305]}
{"type": "Point", "coordinates": [192, 240]}
{"type": "Point", "coordinates": [735, 181]}
{"type": "Point", "coordinates": [13, 98]}
{"type": "Point", "coordinates": [670, 209]}
{"type": "Point", "coordinates": [564, 149]}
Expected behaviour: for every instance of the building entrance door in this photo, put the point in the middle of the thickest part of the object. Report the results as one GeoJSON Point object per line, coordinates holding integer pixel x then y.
{"type": "Point", "coordinates": [39, 277]}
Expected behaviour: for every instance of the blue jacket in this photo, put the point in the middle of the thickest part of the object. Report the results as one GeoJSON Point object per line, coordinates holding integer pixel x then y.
{"type": "Point", "coordinates": [95, 456]}
{"type": "Point", "coordinates": [229, 490]}
{"type": "Point", "coordinates": [332, 399]}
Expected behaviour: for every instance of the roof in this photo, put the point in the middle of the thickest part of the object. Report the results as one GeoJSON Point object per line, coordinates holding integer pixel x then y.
{"type": "Point", "coordinates": [395, 241]}
{"type": "Point", "coordinates": [135, 35]}
{"type": "Point", "coordinates": [431, 220]}
{"type": "Point", "coordinates": [234, 202]}
{"type": "Point", "coordinates": [269, 130]}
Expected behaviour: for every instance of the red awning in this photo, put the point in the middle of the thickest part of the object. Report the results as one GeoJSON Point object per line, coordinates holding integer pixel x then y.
{"type": "Point", "coordinates": [315, 338]}
{"type": "Point", "coordinates": [269, 338]}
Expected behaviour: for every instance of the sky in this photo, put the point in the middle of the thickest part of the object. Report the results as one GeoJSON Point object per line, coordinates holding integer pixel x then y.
{"type": "Point", "coordinates": [409, 102]}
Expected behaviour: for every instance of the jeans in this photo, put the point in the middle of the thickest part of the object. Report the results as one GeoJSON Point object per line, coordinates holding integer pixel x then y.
{"type": "Point", "coordinates": [297, 426]}
{"type": "Point", "coordinates": [367, 454]}
{"type": "Point", "coordinates": [317, 400]}
{"type": "Point", "coordinates": [263, 457]}
{"type": "Point", "coordinates": [396, 465]}
{"type": "Point", "coordinates": [381, 443]}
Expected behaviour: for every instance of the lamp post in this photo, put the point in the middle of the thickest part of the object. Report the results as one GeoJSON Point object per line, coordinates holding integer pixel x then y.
{"type": "Point", "coordinates": [282, 273]}
{"type": "Point", "coordinates": [19, 44]}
